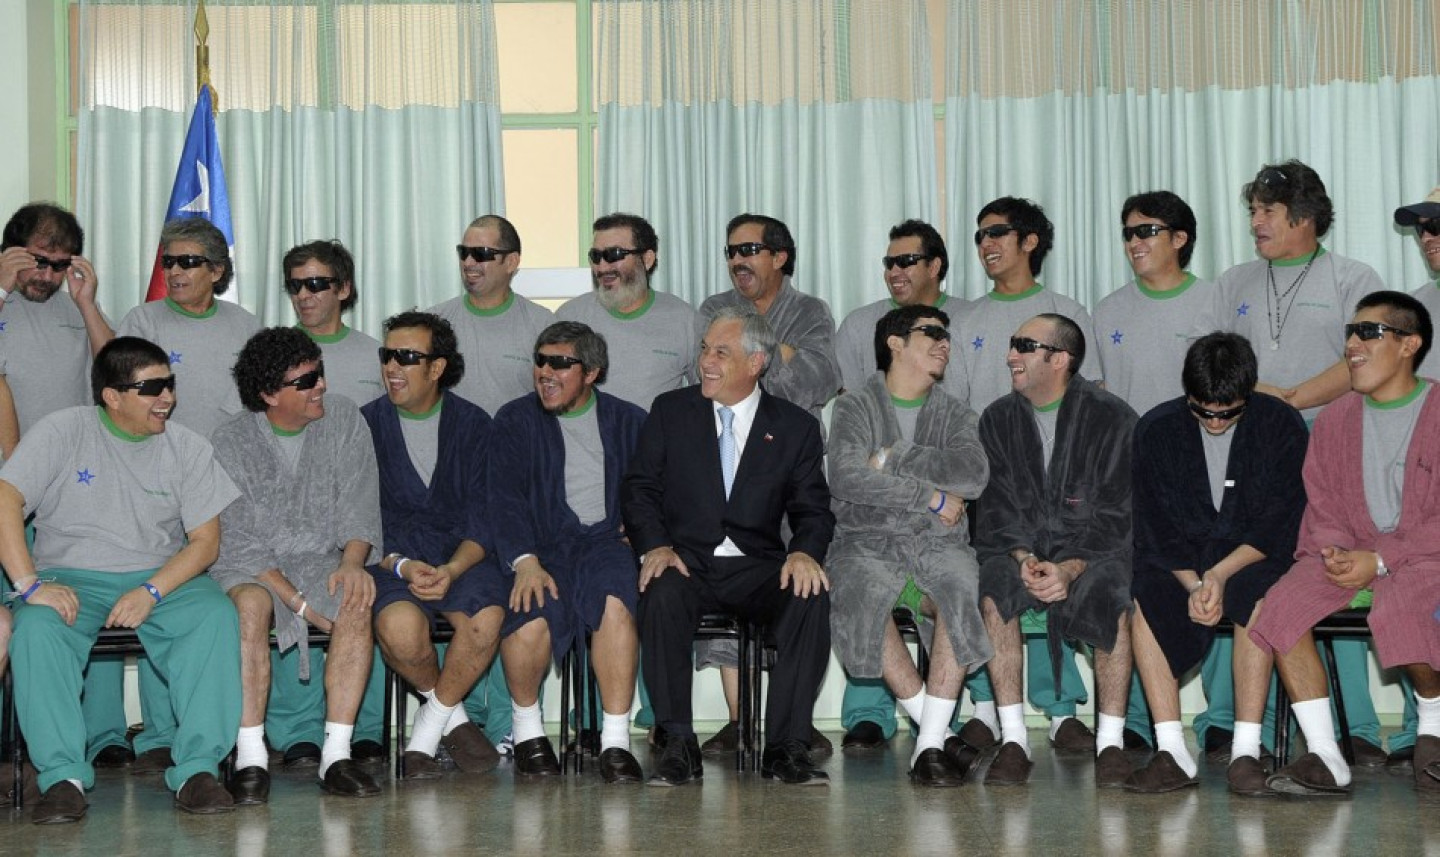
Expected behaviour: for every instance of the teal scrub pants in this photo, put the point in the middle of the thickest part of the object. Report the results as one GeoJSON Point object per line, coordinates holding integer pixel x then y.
{"type": "Point", "coordinates": [193, 639]}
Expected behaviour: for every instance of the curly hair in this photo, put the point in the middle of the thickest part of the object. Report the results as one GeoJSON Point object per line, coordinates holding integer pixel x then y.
{"type": "Point", "coordinates": [267, 356]}
{"type": "Point", "coordinates": [442, 342]}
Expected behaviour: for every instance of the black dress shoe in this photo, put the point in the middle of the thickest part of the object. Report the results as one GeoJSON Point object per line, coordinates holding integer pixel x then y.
{"type": "Point", "coordinates": [618, 765]}
{"type": "Point", "coordinates": [790, 764]}
{"type": "Point", "coordinates": [62, 803]}
{"type": "Point", "coordinates": [936, 769]}
{"type": "Point", "coordinates": [345, 777]}
{"type": "Point", "coordinates": [863, 736]}
{"type": "Point", "coordinates": [961, 754]}
{"type": "Point", "coordinates": [202, 794]}
{"type": "Point", "coordinates": [656, 738]}
{"type": "Point", "coordinates": [536, 758]}
{"type": "Point", "coordinates": [368, 752]}
{"type": "Point", "coordinates": [679, 763]}
{"type": "Point", "coordinates": [250, 786]}
{"type": "Point", "coordinates": [302, 755]}
{"type": "Point", "coordinates": [114, 756]}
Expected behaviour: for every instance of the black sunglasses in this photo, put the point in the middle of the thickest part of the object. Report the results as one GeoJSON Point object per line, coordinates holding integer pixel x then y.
{"type": "Point", "coordinates": [1026, 345]}
{"type": "Point", "coordinates": [557, 362]}
{"type": "Point", "coordinates": [1368, 330]}
{"type": "Point", "coordinates": [1273, 177]}
{"type": "Point", "coordinates": [998, 230]}
{"type": "Point", "coordinates": [315, 285]}
{"type": "Point", "coordinates": [748, 249]}
{"type": "Point", "coordinates": [934, 331]}
{"type": "Point", "coordinates": [308, 381]}
{"type": "Point", "coordinates": [56, 265]}
{"type": "Point", "coordinates": [1428, 227]}
{"type": "Point", "coordinates": [612, 254]}
{"type": "Point", "coordinates": [188, 262]}
{"type": "Point", "coordinates": [403, 356]}
{"type": "Point", "coordinates": [1142, 230]}
{"type": "Point", "coordinates": [1206, 414]}
{"type": "Point", "coordinates": [150, 388]}
{"type": "Point", "coordinates": [905, 261]}
{"type": "Point", "coordinates": [480, 254]}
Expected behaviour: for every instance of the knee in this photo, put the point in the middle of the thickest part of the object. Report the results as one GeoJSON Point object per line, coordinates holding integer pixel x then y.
{"type": "Point", "coordinates": [533, 634]}
{"type": "Point", "coordinates": [352, 621]}
{"type": "Point", "coordinates": [401, 630]}
{"type": "Point", "coordinates": [253, 607]}
{"type": "Point", "coordinates": [481, 632]}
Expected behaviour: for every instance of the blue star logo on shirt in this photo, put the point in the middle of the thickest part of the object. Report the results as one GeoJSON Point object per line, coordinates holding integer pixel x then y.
{"type": "Point", "coordinates": [2, 325]}
{"type": "Point", "coordinates": [1243, 309]}
{"type": "Point", "coordinates": [1116, 337]}
{"type": "Point", "coordinates": [979, 343]}
{"type": "Point", "coordinates": [83, 477]}
{"type": "Point", "coordinates": [174, 357]}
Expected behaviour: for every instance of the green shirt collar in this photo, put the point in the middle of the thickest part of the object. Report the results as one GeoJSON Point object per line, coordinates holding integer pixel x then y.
{"type": "Point", "coordinates": [279, 432]}
{"type": "Point", "coordinates": [110, 426]}
{"type": "Point", "coordinates": [499, 310]}
{"type": "Point", "coordinates": [1028, 293]}
{"type": "Point", "coordinates": [638, 311]}
{"type": "Point", "coordinates": [1400, 402]}
{"type": "Point", "coordinates": [1055, 405]}
{"type": "Point", "coordinates": [940, 304]}
{"type": "Point", "coordinates": [1300, 260]}
{"type": "Point", "coordinates": [907, 403]}
{"type": "Point", "coordinates": [214, 308]}
{"type": "Point", "coordinates": [326, 338]}
{"type": "Point", "coordinates": [583, 409]}
{"type": "Point", "coordinates": [1165, 295]}
{"type": "Point", "coordinates": [404, 414]}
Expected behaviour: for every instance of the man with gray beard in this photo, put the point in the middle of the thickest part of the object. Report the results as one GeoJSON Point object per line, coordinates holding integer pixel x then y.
{"type": "Point", "coordinates": [651, 335]}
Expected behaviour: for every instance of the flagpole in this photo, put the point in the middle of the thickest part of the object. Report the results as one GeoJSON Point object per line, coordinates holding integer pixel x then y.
{"type": "Point", "coordinates": [202, 56]}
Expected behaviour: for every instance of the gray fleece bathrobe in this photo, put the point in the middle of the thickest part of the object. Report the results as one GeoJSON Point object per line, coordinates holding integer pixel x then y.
{"type": "Point", "coordinates": [884, 530]}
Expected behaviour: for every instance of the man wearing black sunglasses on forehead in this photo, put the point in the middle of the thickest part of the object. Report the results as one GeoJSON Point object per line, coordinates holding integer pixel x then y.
{"type": "Point", "coordinates": [296, 546]}
{"type": "Point", "coordinates": [650, 334]}
{"type": "Point", "coordinates": [319, 277]}
{"type": "Point", "coordinates": [1424, 218]}
{"type": "Point", "coordinates": [495, 326]}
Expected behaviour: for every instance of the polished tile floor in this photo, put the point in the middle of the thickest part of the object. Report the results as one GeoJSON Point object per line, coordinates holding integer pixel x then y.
{"type": "Point", "coordinates": [869, 809]}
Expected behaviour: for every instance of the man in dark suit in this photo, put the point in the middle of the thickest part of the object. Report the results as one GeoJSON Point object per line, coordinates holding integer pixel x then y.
{"type": "Point", "coordinates": [719, 466]}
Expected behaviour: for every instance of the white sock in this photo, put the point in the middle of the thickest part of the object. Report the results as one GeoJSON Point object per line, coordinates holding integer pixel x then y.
{"type": "Point", "coordinates": [458, 717]}
{"type": "Point", "coordinates": [1428, 711]}
{"type": "Point", "coordinates": [1319, 728]}
{"type": "Point", "coordinates": [1012, 726]}
{"type": "Point", "coordinates": [1056, 723]}
{"type": "Point", "coordinates": [337, 744]}
{"type": "Point", "coordinates": [934, 723]}
{"type": "Point", "coordinates": [526, 721]}
{"type": "Point", "coordinates": [77, 784]}
{"type": "Point", "coordinates": [614, 731]}
{"type": "Point", "coordinates": [1170, 737]}
{"type": "Point", "coordinates": [429, 726]}
{"type": "Point", "coordinates": [250, 749]}
{"type": "Point", "coordinates": [1246, 741]}
{"type": "Point", "coordinates": [914, 707]}
{"type": "Point", "coordinates": [985, 713]}
{"type": "Point", "coordinates": [1109, 732]}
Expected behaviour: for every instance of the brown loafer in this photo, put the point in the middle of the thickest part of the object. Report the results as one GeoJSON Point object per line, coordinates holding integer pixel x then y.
{"type": "Point", "coordinates": [1163, 774]}
{"type": "Point", "coordinates": [202, 794]}
{"type": "Point", "coordinates": [1365, 754]}
{"type": "Point", "coordinates": [1073, 737]}
{"type": "Point", "coordinates": [963, 755]}
{"type": "Point", "coordinates": [977, 735]}
{"type": "Point", "coordinates": [936, 769]}
{"type": "Point", "coordinates": [154, 761]}
{"type": "Point", "coordinates": [346, 778]}
{"type": "Point", "coordinates": [1010, 767]}
{"type": "Point", "coordinates": [1307, 776]}
{"type": "Point", "coordinates": [62, 803]}
{"type": "Point", "coordinates": [1112, 768]}
{"type": "Point", "coordinates": [420, 766]}
{"type": "Point", "coordinates": [471, 751]}
{"type": "Point", "coordinates": [1246, 777]}
{"type": "Point", "coordinates": [1426, 762]}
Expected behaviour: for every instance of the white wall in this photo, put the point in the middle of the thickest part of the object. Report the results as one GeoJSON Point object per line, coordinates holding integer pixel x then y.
{"type": "Point", "coordinates": [14, 108]}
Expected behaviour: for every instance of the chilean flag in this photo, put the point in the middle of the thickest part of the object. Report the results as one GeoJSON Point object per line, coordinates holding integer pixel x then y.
{"type": "Point", "coordinates": [200, 189]}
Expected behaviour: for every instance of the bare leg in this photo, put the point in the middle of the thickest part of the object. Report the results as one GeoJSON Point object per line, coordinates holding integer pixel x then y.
{"type": "Point", "coordinates": [1162, 691]}
{"type": "Point", "coordinates": [1425, 679]}
{"type": "Point", "coordinates": [254, 605]}
{"type": "Point", "coordinates": [1112, 672]}
{"type": "Point", "coordinates": [526, 656]}
{"type": "Point", "coordinates": [1301, 670]}
{"type": "Point", "coordinates": [945, 674]}
{"type": "Point", "coordinates": [896, 667]}
{"type": "Point", "coordinates": [404, 636]}
{"type": "Point", "coordinates": [615, 655]}
{"type": "Point", "coordinates": [1006, 667]}
{"type": "Point", "coordinates": [1251, 666]}
{"type": "Point", "coordinates": [476, 640]}
{"type": "Point", "coordinates": [347, 665]}
{"type": "Point", "coordinates": [730, 684]}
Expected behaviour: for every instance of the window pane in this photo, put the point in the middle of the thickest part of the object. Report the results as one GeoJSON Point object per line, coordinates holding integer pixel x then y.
{"type": "Point", "coordinates": [542, 195]}
{"type": "Point", "coordinates": [536, 43]}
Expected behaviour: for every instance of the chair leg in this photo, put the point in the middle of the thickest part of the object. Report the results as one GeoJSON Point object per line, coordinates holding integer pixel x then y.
{"type": "Point", "coordinates": [746, 725]}
{"type": "Point", "coordinates": [589, 690]}
{"type": "Point", "coordinates": [1341, 719]}
{"type": "Point", "coordinates": [567, 669]}
{"type": "Point", "coordinates": [10, 739]}
{"type": "Point", "coordinates": [387, 717]}
{"type": "Point", "coordinates": [401, 695]}
{"type": "Point", "coordinates": [1282, 725]}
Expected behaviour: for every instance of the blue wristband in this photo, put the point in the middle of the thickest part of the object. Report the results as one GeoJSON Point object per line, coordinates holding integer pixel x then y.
{"type": "Point", "coordinates": [154, 593]}
{"type": "Point", "coordinates": [940, 508]}
{"type": "Point", "coordinates": [30, 590]}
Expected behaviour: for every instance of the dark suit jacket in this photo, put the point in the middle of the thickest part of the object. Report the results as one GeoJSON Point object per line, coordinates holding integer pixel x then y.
{"type": "Point", "coordinates": [674, 495]}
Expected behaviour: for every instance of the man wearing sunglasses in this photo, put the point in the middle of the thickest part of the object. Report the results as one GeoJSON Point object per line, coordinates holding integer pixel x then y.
{"type": "Point", "coordinates": [430, 448]}
{"type": "Point", "coordinates": [116, 488]}
{"type": "Point", "coordinates": [1424, 218]}
{"type": "Point", "coordinates": [1012, 241]}
{"type": "Point", "coordinates": [1217, 498]}
{"type": "Point", "coordinates": [1370, 523]}
{"type": "Point", "coordinates": [760, 255]}
{"type": "Point", "coordinates": [555, 465]}
{"type": "Point", "coordinates": [1289, 303]}
{"type": "Point", "coordinates": [319, 277]}
{"type": "Point", "coordinates": [1053, 533]}
{"type": "Point", "coordinates": [495, 326]}
{"type": "Point", "coordinates": [903, 458]}
{"type": "Point", "coordinates": [650, 334]}
{"type": "Point", "coordinates": [296, 546]}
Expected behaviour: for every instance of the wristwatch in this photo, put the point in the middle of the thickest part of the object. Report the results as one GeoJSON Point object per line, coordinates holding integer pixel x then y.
{"type": "Point", "coordinates": [1381, 569]}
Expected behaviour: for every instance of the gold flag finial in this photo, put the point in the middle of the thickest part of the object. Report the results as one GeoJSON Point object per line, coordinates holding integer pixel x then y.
{"type": "Point", "coordinates": [202, 55]}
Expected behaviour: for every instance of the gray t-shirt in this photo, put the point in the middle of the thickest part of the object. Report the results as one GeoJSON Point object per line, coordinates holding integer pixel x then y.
{"type": "Point", "coordinates": [907, 414]}
{"type": "Point", "coordinates": [982, 337]}
{"type": "Point", "coordinates": [1386, 431]}
{"type": "Point", "coordinates": [352, 364]}
{"type": "Point", "coordinates": [652, 350]}
{"type": "Point", "coordinates": [1312, 336]}
{"type": "Point", "coordinates": [1217, 461]}
{"type": "Point", "coordinates": [422, 441]}
{"type": "Point", "coordinates": [112, 502]}
{"type": "Point", "coordinates": [855, 347]}
{"type": "Point", "coordinates": [44, 356]}
{"type": "Point", "coordinates": [202, 351]}
{"type": "Point", "coordinates": [1046, 420]}
{"type": "Point", "coordinates": [1429, 296]}
{"type": "Point", "coordinates": [497, 345]}
{"type": "Point", "coordinates": [291, 444]}
{"type": "Point", "coordinates": [1141, 336]}
{"type": "Point", "coordinates": [584, 464]}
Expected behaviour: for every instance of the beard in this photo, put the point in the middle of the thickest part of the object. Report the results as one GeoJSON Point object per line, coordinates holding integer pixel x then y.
{"type": "Point", "coordinates": [627, 292]}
